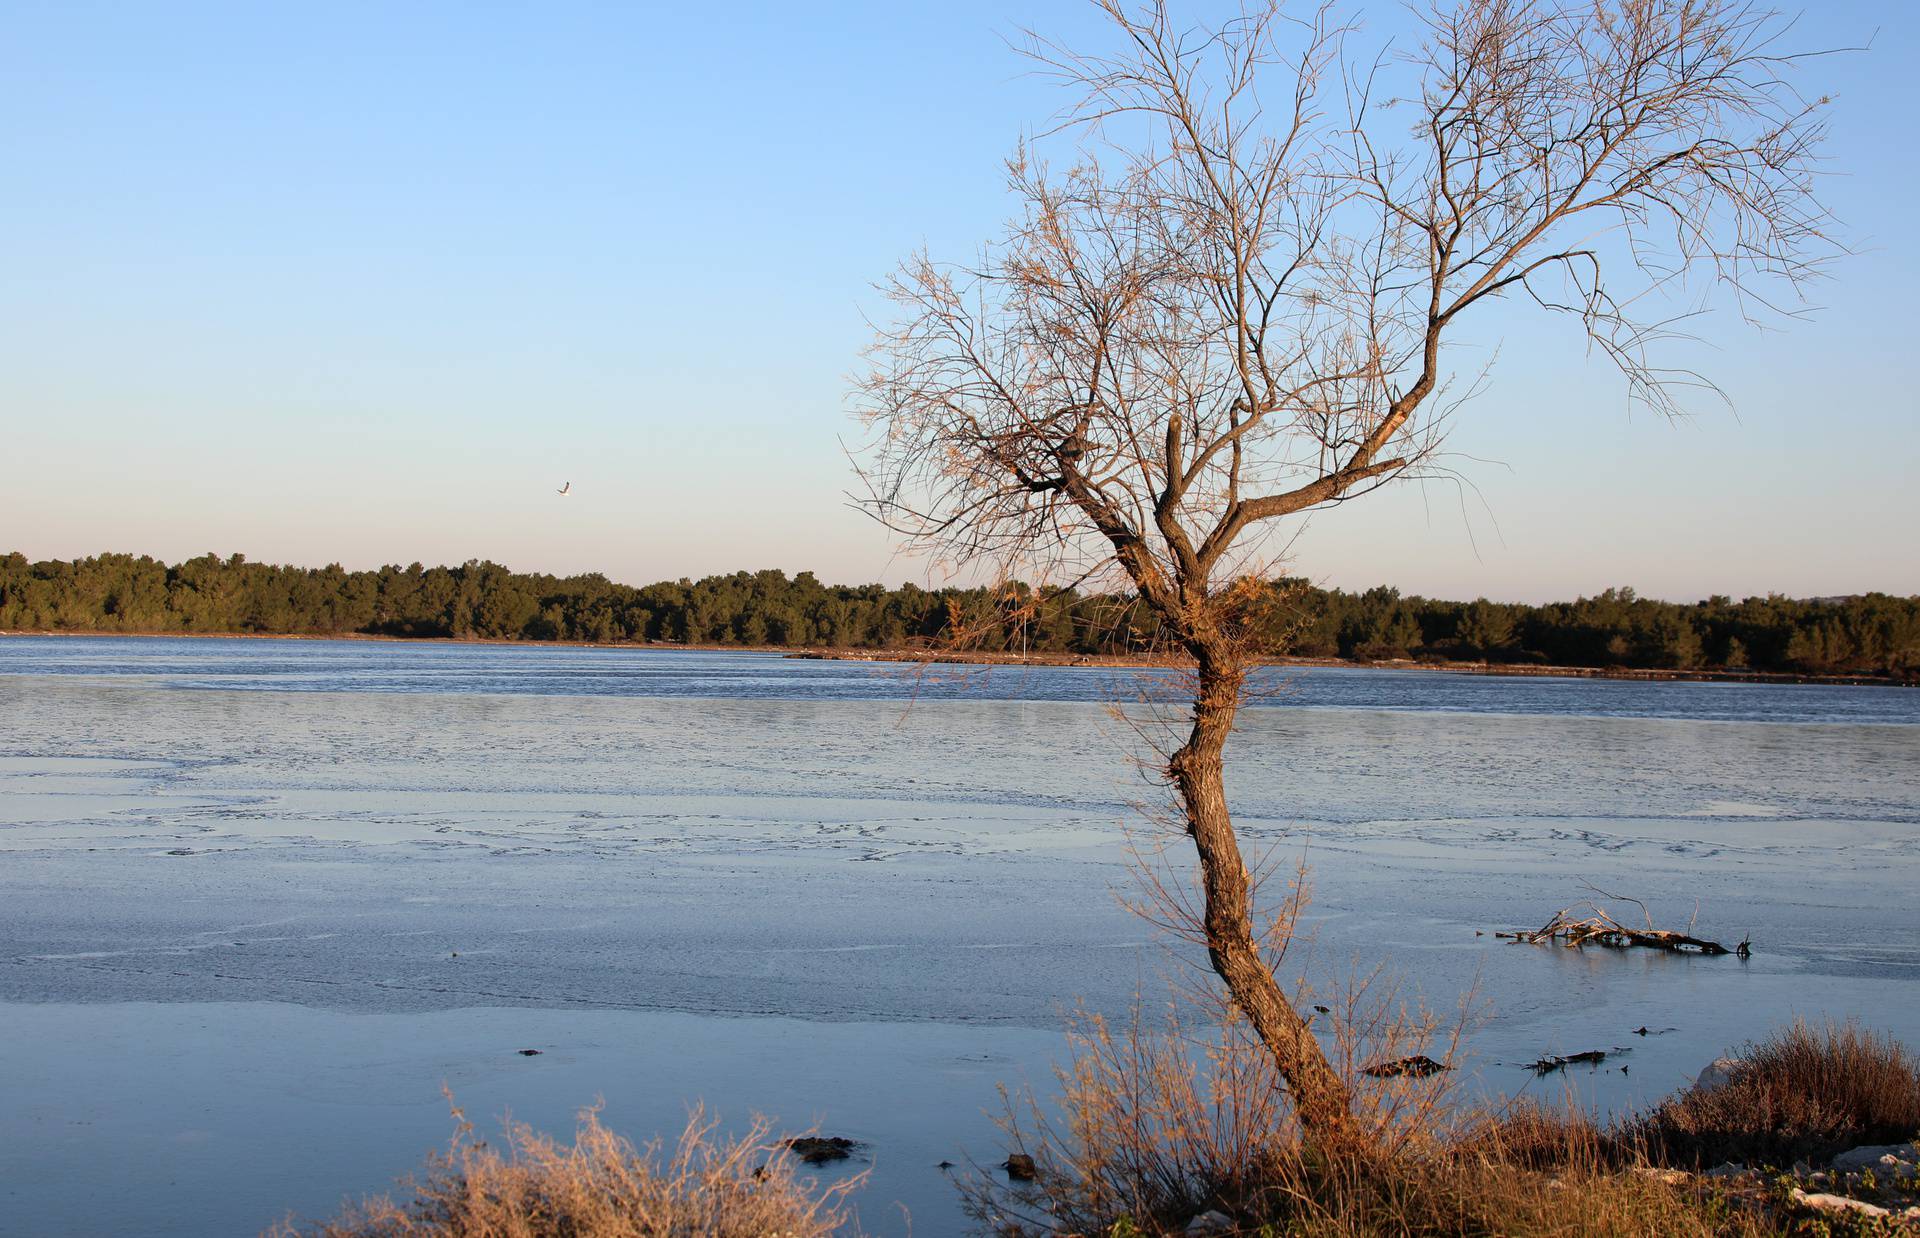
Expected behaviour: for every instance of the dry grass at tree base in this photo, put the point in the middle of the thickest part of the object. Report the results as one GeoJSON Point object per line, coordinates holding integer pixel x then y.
{"type": "Point", "coordinates": [1156, 1129]}
{"type": "Point", "coordinates": [1483, 1187]}
{"type": "Point", "coordinates": [602, 1186]}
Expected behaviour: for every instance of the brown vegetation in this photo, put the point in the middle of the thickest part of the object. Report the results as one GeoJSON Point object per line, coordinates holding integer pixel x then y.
{"type": "Point", "coordinates": [1803, 1093]}
{"type": "Point", "coordinates": [1160, 1123]}
{"type": "Point", "coordinates": [1167, 1120]}
{"type": "Point", "coordinates": [602, 1186]}
{"type": "Point", "coordinates": [1158, 1128]}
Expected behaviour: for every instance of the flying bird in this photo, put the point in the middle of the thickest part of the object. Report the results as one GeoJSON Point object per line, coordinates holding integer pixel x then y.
{"type": "Point", "coordinates": [564, 489]}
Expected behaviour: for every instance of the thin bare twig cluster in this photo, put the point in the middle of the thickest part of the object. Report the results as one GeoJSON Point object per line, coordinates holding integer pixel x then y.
{"type": "Point", "coordinates": [1232, 304]}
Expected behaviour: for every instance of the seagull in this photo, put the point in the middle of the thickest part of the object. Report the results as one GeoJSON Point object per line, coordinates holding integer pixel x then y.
{"type": "Point", "coordinates": [562, 490]}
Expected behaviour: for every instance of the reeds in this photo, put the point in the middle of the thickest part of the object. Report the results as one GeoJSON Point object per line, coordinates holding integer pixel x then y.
{"type": "Point", "coordinates": [602, 1186]}
{"type": "Point", "coordinates": [1158, 1125]}
{"type": "Point", "coordinates": [1803, 1093]}
{"type": "Point", "coordinates": [1161, 1120]}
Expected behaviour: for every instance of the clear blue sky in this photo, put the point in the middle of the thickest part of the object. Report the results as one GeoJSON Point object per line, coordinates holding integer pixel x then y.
{"type": "Point", "coordinates": [367, 282]}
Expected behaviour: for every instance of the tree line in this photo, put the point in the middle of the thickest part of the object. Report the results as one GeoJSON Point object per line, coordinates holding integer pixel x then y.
{"type": "Point", "coordinates": [1872, 634]}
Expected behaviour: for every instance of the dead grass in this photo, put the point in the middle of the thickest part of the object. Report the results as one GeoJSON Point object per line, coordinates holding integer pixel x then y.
{"type": "Point", "coordinates": [1162, 1121]}
{"type": "Point", "coordinates": [1168, 1118]}
{"type": "Point", "coordinates": [1153, 1122]}
{"type": "Point", "coordinates": [1158, 1125]}
{"type": "Point", "coordinates": [1452, 1192]}
{"type": "Point", "coordinates": [1802, 1093]}
{"type": "Point", "coordinates": [1537, 1174]}
{"type": "Point", "coordinates": [601, 1186]}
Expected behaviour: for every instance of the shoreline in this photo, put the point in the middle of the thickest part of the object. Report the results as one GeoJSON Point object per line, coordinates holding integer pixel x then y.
{"type": "Point", "coordinates": [956, 657]}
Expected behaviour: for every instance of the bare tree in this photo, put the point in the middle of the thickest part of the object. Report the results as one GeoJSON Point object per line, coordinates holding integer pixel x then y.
{"type": "Point", "coordinates": [1234, 307]}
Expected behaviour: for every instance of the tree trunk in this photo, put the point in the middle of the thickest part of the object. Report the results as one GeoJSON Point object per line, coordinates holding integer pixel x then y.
{"type": "Point", "coordinates": [1319, 1094]}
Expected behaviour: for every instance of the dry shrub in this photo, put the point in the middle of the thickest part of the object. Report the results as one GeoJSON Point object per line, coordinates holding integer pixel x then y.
{"type": "Point", "coordinates": [1531, 1134]}
{"type": "Point", "coordinates": [1151, 1143]}
{"type": "Point", "coordinates": [1158, 1122]}
{"type": "Point", "coordinates": [601, 1186]}
{"type": "Point", "coordinates": [1803, 1092]}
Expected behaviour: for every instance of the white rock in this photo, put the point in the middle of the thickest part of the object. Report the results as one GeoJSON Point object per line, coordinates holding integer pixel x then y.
{"type": "Point", "coordinates": [1732, 1169]}
{"type": "Point", "coordinates": [1211, 1223]}
{"type": "Point", "coordinates": [1842, 1204]}
{"type": "Point", "coordinates": [1672, 1177]}
{"type": "Point", "coordinates": [1718, 1073]}
{"type": "Point", "coordinates": [1837, 1203]}
{"type": "Point", "coordinates": [1895, 1160]}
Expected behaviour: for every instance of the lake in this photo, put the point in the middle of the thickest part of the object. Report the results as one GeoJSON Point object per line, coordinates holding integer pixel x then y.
{"type": "Point", "coordinates": [261, 900]}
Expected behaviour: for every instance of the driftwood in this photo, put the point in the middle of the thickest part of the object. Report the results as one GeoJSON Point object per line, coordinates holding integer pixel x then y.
{"type": "Point", "coordinates": [1419, 1066]}
{"type": "Point", "coordinates": [1552, 1062]}
{"type": "Point", "coordinates": [1601, 929]}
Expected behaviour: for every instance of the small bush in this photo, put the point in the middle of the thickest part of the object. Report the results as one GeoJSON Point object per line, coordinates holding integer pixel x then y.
{"type": "Point", "coordinates": [1159, 1121]}
{"type": "Point", "coordinates": [601, 1186]}
{"type": "Point", "coordinates": [1803, 1093]}
{"type": "Point", "coordinates": [1158, 1125]}
{"type": "Point", "coordinates": [1535, 1172]}
{"type": "Point", "coordinates": [1162, 1119]}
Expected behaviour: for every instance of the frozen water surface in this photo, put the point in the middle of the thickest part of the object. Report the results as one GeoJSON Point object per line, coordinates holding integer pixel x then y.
{"type": "Point", "coordinates": [260, 899]}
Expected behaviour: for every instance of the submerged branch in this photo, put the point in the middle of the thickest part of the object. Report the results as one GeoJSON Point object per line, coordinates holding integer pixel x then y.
{"type": "Point", "coordinates": [1601, 929]}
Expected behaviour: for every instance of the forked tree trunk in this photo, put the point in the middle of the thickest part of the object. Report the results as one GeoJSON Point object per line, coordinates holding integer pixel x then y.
{"type": "Point", "coordinates": [1320, 1096]}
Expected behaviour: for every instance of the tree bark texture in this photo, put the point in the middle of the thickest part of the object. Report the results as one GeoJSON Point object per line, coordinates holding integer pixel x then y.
{"type": "Point", "coordinates": [1320, 1096]}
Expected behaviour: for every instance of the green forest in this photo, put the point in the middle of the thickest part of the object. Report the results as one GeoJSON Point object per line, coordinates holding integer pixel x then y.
{"type": "Point", "coordinates": [1869, 634]}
